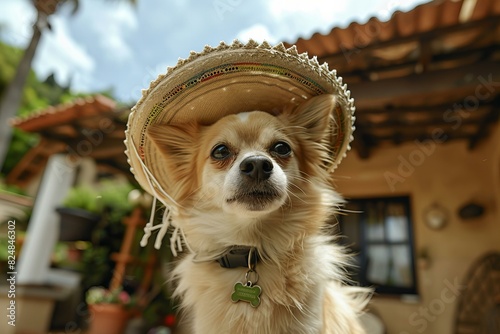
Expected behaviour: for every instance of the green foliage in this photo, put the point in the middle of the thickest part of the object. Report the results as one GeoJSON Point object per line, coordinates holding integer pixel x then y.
{"type": "Point", "coordinates": [20, 144]}
{"type": "Point", "coordinates": [9, 57]}
{"type": "Point", "coordinates": [11, 189]}
{"type": "Point", "coordinates": [114, 198]}
{"type": "Point", "coordinates": [37, 95]}
{"type": "Point", "coordinates": [156, 311]}
{"type": "Point", "coordinates": [97, 266]}
{"type": "Point", "coordinates": [110, 195]}
{"type": "Point", "coordinates": [83, 198]}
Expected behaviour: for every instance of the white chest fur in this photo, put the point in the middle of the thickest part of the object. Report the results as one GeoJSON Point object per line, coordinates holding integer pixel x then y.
{"type": "Point", "coordinates": [292, 300]}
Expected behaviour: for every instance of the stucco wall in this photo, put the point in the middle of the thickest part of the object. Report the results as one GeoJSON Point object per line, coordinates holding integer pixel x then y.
{"type": "Point", "coordinates": [449, 174]}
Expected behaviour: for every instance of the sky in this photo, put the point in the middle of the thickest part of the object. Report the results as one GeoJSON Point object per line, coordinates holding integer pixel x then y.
{"type": "Point", "coordinates": [111, 44]}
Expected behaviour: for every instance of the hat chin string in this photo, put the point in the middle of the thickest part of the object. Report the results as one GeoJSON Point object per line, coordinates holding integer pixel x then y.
{"type": "Point", "coordinates": [178, 233]}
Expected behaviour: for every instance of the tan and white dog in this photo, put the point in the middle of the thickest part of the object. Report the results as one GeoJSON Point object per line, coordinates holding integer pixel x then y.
{"type": "Point", "coordinates": [258, 180]}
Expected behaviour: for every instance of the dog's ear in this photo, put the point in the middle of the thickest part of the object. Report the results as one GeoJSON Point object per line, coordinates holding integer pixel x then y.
{"type": "Point", "coordinates": [173, 140]}
{"type": "Point", "coordinates": [313, 116]}
{"type": "Point", "coordinates": [177, 143]}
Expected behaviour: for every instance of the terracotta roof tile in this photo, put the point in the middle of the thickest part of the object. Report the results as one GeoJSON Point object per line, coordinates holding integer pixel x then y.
{"type": "Point", "coordinates": [423, 18]}
{"type": "Point", "coordinates": [64, 113]}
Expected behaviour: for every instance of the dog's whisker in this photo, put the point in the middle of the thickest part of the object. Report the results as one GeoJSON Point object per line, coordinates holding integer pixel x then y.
{"type": "Point", "coordinates": [291, 193]}
{"type": "Point", "coordinates": [290, 203]}
{"type": "Point", "coordinates": [292, 184]}
{"type": "Point", "coordinates": [306, 178]}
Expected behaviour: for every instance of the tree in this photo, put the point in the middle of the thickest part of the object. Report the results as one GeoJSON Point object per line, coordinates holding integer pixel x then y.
{"type": "Point", "coordinates": [11, 99]}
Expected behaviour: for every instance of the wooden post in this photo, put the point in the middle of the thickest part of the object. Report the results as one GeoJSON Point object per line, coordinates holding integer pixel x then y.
{"type": "Point", "coordinates": [124, 257]}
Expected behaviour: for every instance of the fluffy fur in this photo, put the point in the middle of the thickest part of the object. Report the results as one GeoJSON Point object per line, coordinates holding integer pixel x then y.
{"type": "Point", "coordinates": [284, 213]}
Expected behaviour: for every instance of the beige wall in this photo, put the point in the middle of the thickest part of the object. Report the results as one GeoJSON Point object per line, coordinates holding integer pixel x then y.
{"type": "Point", "coordinates": [448, 174]}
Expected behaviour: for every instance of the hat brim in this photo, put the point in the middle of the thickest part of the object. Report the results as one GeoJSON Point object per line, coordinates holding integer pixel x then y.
{"type": "Point", "coordinates": [228, 80]}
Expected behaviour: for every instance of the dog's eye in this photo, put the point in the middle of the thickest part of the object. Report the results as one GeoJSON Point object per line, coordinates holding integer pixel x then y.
{"type": "Point", "coordinates": [221, 152]}
{"type": "Point", "coordinates": [281, 149]}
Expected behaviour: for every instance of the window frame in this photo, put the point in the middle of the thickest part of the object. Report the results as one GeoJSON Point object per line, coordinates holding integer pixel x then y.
{"type": "Point", "coordinates": [362, 248]}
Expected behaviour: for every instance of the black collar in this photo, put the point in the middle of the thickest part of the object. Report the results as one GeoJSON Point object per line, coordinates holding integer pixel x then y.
{"type": "Point", "coordinates": [239, 256]}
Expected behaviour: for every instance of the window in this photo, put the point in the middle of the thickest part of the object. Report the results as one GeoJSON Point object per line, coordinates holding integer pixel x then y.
{"type": "Point", "coordinates": [379, 232]}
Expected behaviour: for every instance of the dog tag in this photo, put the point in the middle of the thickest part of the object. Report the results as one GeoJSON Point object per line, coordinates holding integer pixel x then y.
{"type": "Point", "coordinates": [247, 292]}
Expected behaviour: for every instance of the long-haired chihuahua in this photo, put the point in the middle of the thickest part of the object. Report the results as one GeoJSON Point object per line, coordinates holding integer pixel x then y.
{"type": "Point", "coordinates": [256, 202]}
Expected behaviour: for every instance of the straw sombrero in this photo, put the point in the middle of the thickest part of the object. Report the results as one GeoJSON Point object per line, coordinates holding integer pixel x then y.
{"type": "Point", "coordinates": [229, 79]}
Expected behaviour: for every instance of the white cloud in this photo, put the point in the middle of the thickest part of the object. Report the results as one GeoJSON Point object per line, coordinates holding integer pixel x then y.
{"type": "Point", "coordinates": [114, 22]}
{"type": "Point", "coordinates": [258, 32]}
{"type": "Point", "coordinates": [58, 53]}
{"type": "Point", "coordinates": [319, 9]}
{"type": "Point", "coordinates": [293, 18]}
{"type": "Point", "coordinates": [17, 18]}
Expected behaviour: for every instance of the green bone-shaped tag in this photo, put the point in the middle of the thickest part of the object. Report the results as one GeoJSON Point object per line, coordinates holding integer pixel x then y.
{"type": "Point", "coordinates": [247, 292]}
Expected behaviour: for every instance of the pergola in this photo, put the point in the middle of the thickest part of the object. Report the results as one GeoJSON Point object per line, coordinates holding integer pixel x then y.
{"type": "Point", "coordinates": [431, 72]}
{"type": "Point", "coordinates": [92, 127]}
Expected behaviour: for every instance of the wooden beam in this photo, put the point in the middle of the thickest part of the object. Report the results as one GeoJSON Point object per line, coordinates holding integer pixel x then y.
{"type": "Point", "coordinates": [429, 109]}
{"type": "Point", "coordinates": [423, 136]}
{"type": "Point", "coordinates": [398, 124]}
{"type": "Point", "coordinates": [463, 80]}
{"type": "Point", "coordinates": [33, 162]}
{"type": "Point", "coordinates": [427, 61]}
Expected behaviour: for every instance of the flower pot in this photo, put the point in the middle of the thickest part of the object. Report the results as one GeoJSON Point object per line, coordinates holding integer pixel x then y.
{"type": "Point", "coordinates": [108, 319]}
{"type": "Point", "coordinates": [76, 224]}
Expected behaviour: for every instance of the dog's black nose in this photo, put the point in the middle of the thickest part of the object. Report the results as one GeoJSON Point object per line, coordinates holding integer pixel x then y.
{"type": "Point", "coordinates": [257, 167]}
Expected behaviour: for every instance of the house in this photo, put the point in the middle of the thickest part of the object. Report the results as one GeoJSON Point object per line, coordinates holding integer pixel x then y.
{"type": "Point", "coordinates": [424, 176]}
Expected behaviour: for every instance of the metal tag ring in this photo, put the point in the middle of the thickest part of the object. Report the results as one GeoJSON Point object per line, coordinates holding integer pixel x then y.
{"type": "Point", "coordinates": [248, 277]}
{"type": "Point", "coordinates": [252, 261]}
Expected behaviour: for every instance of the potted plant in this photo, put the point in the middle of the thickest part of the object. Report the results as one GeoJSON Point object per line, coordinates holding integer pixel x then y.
{"type": "Point", "coordinates": [80, 213]}
{"type": "Point", "coordinates": [109, 310]}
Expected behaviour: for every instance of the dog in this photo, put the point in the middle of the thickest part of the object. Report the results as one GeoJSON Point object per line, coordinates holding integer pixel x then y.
{"type": "Point", "coordinates": [258, 180]}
